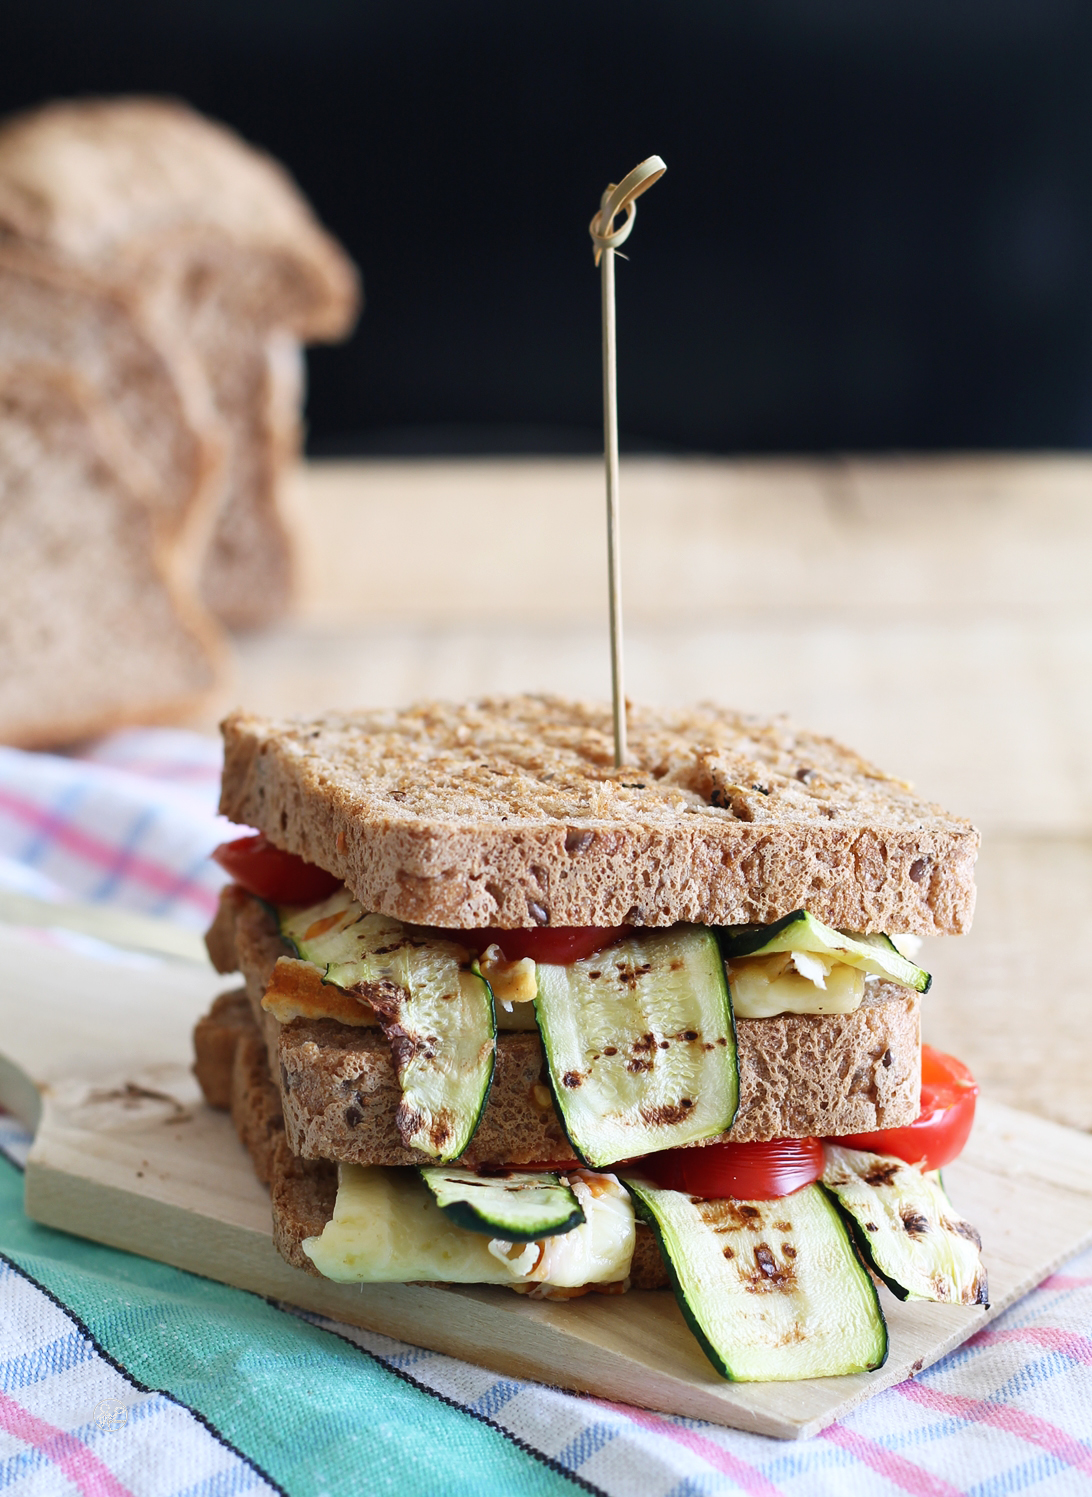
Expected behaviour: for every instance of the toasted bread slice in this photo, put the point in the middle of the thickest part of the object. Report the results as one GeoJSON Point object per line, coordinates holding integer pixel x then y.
{"type": "Point", "coordinates": [800, 1074]}
{"type": "Point", "coordinates": [508, 812]}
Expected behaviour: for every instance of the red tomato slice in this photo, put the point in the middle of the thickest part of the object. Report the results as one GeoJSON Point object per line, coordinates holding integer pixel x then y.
{"type": "Point", "coordinates": [273, 874]}
{"type": "Point", "coordinates": [739, 1172]}
{"type": "Point", "coordinates": [948, 1092]}
{"type": "Point", "coordinates": [552, 944]}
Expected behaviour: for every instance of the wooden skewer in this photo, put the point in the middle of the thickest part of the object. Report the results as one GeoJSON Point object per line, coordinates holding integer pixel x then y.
{"type": "Point", "coordinates": [618, 198]}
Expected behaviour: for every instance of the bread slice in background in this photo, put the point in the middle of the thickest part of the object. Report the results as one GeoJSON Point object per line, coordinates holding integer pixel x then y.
{"type": "Point", "coordinates": [95, 628]}
{"type": "Point", "coordinates": [508, 811]}
{"type": "Point", "coordinates": [166, 435]}
{"type": "Point", "coordinates": [224, 263]}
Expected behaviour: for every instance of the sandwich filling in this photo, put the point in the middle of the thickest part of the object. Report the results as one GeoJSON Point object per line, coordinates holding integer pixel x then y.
{"type": "Point", "coordinates": [641, 1064]}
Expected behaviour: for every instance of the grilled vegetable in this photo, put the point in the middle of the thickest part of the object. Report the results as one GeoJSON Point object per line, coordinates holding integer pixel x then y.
{"type": "Point", "coordinates": [772, 1289]}
{"type": "Point", "coordinates": [745, 1172]}
{"type": "Point", "coordinates": [435, 1007]}
{"type": "Point", "coordinates": [640, 1044]}
{"type": "Point", "coordinates": [873, 954]}
{"type": "Point", "coordinates": [388, 1229]}
{"type": "Point", "coordinates": [520, 1205]}
{"type": "Point", "coordinates": [907, 1229]}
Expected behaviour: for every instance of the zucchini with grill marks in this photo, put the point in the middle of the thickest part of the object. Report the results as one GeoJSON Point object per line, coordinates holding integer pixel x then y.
{"type": "Point", "coordinates": [435, 1007]}
{"type": "Point", "coordinates": [640, 1044]}
{"type": "Point", "coordinates": [875, 955]}
{"type": "Point", "coordinates": [517, 1205]}
{"type": "Point", "coordinates": [772, 1290]}
{"type": "Point", "coordinates": [906, 1228]}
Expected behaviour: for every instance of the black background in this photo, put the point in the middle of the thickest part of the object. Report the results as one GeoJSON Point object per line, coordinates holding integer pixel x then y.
{"type": "Point", "coordinates": [875, 230]}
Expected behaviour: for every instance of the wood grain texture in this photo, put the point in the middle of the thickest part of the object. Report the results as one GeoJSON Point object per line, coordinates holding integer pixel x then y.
{"type": "Point", "coordinates": [127, 1154]}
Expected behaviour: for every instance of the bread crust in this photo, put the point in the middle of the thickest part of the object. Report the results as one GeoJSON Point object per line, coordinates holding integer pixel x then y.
{"type": "Point", "coordinates": [800, 1074]}
{"type": "Point", "coordinates": [215, 1040]}
{"type": "Point", "coordinates": [508, 812]}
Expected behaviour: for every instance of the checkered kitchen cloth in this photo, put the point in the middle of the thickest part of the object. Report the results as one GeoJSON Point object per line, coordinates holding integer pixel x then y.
{"type": "Point", "coordinates": [119, 1375]}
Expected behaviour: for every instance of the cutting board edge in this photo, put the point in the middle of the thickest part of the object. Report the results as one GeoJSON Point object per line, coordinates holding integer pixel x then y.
{"type": "Point", "coordinates": [54, 1197]}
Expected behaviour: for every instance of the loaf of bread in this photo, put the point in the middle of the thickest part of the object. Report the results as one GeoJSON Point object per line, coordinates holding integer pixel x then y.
{"type": "Point", "coordinates": [223, 268]}
{"type": "Point", "coordinates": [508, 812]}
{"type": "Point", "coordinates": [96, 625]}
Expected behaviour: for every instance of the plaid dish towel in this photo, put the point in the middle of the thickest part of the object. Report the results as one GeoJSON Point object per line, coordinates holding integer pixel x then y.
{"type": "Point", "coordinates": [121, 1376]}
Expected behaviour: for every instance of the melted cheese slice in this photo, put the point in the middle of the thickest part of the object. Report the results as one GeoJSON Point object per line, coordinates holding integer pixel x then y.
{"type": "Point", "coordinates": [387, 1228]}
{"type": "Point", "coordinates": [791, 982]}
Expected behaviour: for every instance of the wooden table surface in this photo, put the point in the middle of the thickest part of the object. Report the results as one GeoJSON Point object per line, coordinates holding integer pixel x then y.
{"type": "Point", "coordinates": [936, 615]}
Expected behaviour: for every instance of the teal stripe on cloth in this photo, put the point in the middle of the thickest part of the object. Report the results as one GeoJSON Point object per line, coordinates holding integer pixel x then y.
{"type": "Point", "coordinates": [312, 1411]}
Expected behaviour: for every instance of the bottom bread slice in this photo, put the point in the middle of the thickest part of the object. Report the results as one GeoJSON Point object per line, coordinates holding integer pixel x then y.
{"type": "Point", "coordinates": [303, 1191]}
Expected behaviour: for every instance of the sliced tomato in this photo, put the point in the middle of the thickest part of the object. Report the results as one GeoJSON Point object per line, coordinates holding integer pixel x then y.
{"type": "Point", "coordinates": [273, 874]}
{"type": "Point", "coordinates": [739, 1172]}
{"type": "Point", "coordinates": [948, 1092]}
{"type": "Point", "coordinates": [551, 944]}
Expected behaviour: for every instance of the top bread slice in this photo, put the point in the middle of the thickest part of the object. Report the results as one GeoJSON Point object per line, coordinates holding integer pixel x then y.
{"type": "Point", "coordinates": [508, 812]}
{"type": "Point", "coordinates": [224, 264]}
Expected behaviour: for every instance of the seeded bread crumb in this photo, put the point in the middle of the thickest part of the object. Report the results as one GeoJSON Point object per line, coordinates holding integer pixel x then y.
{"type": "Point", "coordinates": [508, 812]}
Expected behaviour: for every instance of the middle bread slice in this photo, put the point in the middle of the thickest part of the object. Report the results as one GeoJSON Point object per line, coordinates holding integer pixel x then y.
{"type": "Point", "coordinates": [801, 1075]}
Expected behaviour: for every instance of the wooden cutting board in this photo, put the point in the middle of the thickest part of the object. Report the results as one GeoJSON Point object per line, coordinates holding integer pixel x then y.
{"type": "Point", "coordinates": [96, 1057]}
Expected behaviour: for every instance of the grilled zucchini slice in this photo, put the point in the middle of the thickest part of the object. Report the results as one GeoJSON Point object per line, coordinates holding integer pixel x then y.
{"type": "Point", "coordinates": [435, 1007]}
{"type": "Point", "coordinates": [640, 1044]}
{"type": "Point", "coordinates": [906, 1228]}
{"type": "Point", "coordinates": [772, 1290]}
{"type": "Point", "coordinates": [517, 1205]}
{"type": "Point", "coordinates": [873, 954]}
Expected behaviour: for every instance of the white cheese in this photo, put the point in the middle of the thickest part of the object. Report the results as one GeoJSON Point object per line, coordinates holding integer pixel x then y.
{"type": "Point", "coordinates": [814, 968]}
{"type": "Point", "coordinates": [764, 986]}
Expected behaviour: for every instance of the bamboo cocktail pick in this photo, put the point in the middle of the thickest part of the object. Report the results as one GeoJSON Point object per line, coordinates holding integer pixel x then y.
{"type": "Point", "coordinates": [620, 198]}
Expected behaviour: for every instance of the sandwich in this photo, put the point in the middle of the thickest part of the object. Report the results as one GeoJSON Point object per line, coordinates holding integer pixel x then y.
{"type": "Point", "coordinates": [513, 1016]}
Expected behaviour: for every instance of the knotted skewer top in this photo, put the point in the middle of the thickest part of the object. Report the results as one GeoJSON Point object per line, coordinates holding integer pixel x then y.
{"type": "Point", "coordinates": [619, 198]}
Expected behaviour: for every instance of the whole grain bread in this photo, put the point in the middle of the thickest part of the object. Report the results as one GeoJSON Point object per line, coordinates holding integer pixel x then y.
{"type": "Point", "coordinates": [96, 627]}
{"type": "Point", "coordinates": [58, 319]}
{"type": "Point", "coordinates": [215, 1040]}
{"type": "Point", "coordinates": [256, 1104]}
{"type": "Point", "coordinates": [800, 1075]}
{"type": "Point", "coordinates": [224, 261]}
{"type": "Point", "coordinates": [303, 1191]}
{"type": "Point", "coordinates": [508, 812]}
